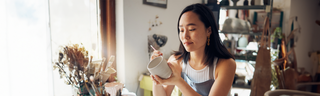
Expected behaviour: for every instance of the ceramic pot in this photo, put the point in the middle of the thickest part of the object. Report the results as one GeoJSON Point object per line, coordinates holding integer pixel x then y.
{"type": "Point", "coordinates": [252, 2]}
{"type": "Point", "coordinates": [243, 42]}
{"type": "Point", "coordinates": [159, 66]}
{"type": "Point", "coordinates": [246, 3]}
{"type": "Point", "coordinates": [235, 2]}
{"type": "Point", "coordinates": [266, 2]}
{"type": "Point", "coordinates": [224, 3]}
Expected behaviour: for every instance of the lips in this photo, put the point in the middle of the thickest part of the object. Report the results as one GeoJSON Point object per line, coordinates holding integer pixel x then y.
{"type": "Point", "coordinates": [187, 43]}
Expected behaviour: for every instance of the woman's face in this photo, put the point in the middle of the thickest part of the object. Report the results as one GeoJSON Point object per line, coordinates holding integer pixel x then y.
{"type": "Point", "coordinates": [193, 33]}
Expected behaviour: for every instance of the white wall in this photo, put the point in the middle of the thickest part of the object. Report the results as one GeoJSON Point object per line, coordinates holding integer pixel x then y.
{"type": "Point", "coordinates": [285, 7]}
{"type": "Point", "coordinates": [132, 30]}
{"type": "Point", "coordinates": [25, 48]}
{"type": "Point", "coordinates": [307, 12]}
{"type": "Point", "coordinates": [4, 69]}
{"type": "Point", "coordinates": [120, 57]}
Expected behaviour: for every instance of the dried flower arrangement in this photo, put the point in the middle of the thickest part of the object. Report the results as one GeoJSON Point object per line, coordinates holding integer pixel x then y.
{"type": "Point", "coordinates": [83, 74]}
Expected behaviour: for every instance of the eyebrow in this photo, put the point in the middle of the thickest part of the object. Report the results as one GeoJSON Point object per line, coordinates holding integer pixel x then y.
{"type": "Point", "coordinates": [188, 24]}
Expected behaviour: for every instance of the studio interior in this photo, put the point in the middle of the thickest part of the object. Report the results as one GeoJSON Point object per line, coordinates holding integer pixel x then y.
{"type": "Point", "coordinates": [103, 47]}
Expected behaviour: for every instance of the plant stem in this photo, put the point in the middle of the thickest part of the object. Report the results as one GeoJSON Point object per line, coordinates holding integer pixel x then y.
{"type": "Point", "coordinates": [85, 84]}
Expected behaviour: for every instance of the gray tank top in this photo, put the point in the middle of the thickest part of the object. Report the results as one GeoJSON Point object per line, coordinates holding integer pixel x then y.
{"type": "Point", "coordinates": [203, 88]}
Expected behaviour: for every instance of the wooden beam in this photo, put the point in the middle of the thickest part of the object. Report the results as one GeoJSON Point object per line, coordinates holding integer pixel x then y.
{"type": "Point", "coordinates": [108, 32]}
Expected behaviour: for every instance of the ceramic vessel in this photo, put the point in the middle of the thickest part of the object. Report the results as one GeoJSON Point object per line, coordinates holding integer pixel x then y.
{"type": "Point", "coordinates": [158, 66]}
{"type": "Point", "coordinates": [235, 2]}
{"type": "Point", "coordinates": [236, 25]}
{"type": "Point", "coordinates": [246, 3]}
{"type": "Point", "coordinates": [243, 42]}
{"type": "Point", "coordinates": [224, 3]}
{"type": "Point", "coordinates": [113, 88]}
{"type": "Point", "coordinates": [266, 2]}
{"type": "Point", "coordinates": [252, 2]}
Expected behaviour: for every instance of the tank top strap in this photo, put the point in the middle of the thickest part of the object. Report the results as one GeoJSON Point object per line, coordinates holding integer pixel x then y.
{"type": "Point", "coordinates": [213, 68]}
{"type": "Point", "coordinates": [211, 72]}
{"type": "Point", "coordinates": [183, 66]}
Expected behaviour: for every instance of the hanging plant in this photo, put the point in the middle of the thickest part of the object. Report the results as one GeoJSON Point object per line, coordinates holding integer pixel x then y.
{"type": "Point", "coordinates": [277, 34]}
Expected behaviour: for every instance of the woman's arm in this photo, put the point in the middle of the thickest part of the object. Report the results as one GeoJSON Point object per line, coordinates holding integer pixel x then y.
{"type": "Point", "coordinates": [224, 75]}
{"type": "Point", "coordinates": [162, 89]}
{"type": "Point", "coordinates": [184, 87]}
{"type": "Point", "coordinates": [175, 79]}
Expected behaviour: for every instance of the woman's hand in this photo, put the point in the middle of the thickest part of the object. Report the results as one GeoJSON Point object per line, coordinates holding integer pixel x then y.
{"type": "Point", "coordinates": [175, 76]}
{"type": "Point", "coordinates": [155, 54]}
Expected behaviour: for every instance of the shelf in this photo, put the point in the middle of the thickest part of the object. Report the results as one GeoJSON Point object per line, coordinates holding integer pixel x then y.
{"type": "Point", "coordinates": [244, 7]}
{"type": "Point", "coordinates": [247, 49]}
{"type": "Point", "coordinates": [245, 57]}
{"type": "Point", "coordinates": [241, 86]}
{"type": "Point", "coordinates": [248, 33]}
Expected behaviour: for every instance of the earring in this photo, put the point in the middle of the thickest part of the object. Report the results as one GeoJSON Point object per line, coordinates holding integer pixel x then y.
{"type": "Point", "coordinates": [208, 41]}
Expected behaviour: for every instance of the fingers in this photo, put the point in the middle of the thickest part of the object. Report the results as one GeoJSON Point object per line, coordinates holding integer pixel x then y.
{"type": "Point", "coordinates": [155, 54]}
{"type": "Point", "coordinates": [175, 68]}
{"type": "Point", "coordinates": [154, 80]}
{"type": "Point", "coordinates": [171, 67]}
{"type": "Point", "coordinates": [160, 81]}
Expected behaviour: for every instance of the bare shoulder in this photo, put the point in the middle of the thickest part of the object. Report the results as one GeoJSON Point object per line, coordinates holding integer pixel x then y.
{"type": "Point", "coordinates": [225, 66]}
{"type": "Point", "coordinates": [226, 62]}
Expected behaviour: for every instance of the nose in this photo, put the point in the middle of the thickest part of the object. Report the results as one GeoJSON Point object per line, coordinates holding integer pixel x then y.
{"type": "Point", "coordinates": [185, 35]}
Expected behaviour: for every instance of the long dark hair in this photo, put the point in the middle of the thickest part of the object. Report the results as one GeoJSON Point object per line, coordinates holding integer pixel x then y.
{"type": "Point", "coordinates": [216, 48]}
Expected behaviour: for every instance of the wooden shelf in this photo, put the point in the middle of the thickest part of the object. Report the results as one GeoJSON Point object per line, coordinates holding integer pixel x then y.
{"type": "Point", "coordinates": [244, 7]}
{"type": "Point", "coordinates": [248, 33]}
{"type": "Point", "coordinates": [245, 57]}
{"type": "Point", "coordinates": [241, 86]}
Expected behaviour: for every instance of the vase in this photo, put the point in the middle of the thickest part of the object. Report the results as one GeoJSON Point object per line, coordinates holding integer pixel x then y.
{"type": "Point", "coordinates": [84, 90]}
{"type": "Point", "coordinates": [243, 42]}
{"type": "Point", "coordinates": [235, 2]}
{"type": "Point", "coordinates": [75, 91]}
{"type": "Point", "coordinates": [252, 2]}
{"type": "Point", "coordinates": [224, 3]}
{"type": "Point", "coordinates": [266, 2]}
{"type": "Point", "coordinates": [114, 88]}
{"type": "Point", "coordinates": [246, 3]}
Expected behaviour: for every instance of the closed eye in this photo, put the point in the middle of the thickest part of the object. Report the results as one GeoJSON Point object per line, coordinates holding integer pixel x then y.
{"type": "Point", "coordinates": [181, 30]}
{"type": "Point", "coordinates": [192, 29]}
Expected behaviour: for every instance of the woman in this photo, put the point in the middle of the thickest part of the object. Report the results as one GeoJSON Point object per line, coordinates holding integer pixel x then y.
{"type": "Point", "coordinates": [203, 66]}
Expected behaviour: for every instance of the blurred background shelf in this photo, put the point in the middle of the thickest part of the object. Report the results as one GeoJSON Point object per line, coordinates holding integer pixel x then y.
{"type": "Point", "coordinates": [245, 57]}
{"type": "Point", "coordinates": [241, 86]}
{"type": "Point", "coordinates": [244, 7]}
{"type": "Point", "coordinates": [247, 33]}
